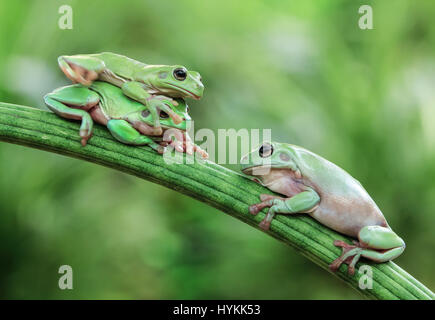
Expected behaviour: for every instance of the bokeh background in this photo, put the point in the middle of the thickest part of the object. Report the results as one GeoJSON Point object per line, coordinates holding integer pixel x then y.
{"type": "Point", "coordinates": [362, 98]}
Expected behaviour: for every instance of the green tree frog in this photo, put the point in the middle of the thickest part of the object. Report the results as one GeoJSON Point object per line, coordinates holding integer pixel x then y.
{"type": "Point", "coordinates": [313, 185]}
{"type": "Point", "coordinates": [129, 121]}
{"type": "Point", "coordinates": [137, 80]}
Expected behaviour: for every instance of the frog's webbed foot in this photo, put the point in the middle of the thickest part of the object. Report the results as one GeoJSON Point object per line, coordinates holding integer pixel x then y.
{"type": "Point", "coordinates": [181, 142]}
{"type": "Point", "coordinates": [200, 151]}
{"type": "Point", "coordinates": [377, 243]}
{"type": "Point", "coordinates": [265, 203]}
{"type": "Point", "coordinates": [350, 256]}
{"type": "Point", "coordinates": [174, 138]}
{"type": "Point", "coordinates": [190, 147]}
{"type": "Point", "coordinates": [257, 207]}
{"type": "Point", "coordinates": [81, 69]}
{"type": "Point", "coordinates": [162, 105]}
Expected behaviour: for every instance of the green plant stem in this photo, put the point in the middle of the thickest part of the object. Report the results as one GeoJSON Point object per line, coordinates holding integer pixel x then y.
{"type": "Point", "coordinates": [207, 182]}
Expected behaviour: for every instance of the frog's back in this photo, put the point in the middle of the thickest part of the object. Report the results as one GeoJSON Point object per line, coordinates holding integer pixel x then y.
{"type": "Point", "coordinates": [345, 205]}
{"type": "Point", "coordinates": [121, 65]}
{"type": "Point", "coordinates": [113, 101]}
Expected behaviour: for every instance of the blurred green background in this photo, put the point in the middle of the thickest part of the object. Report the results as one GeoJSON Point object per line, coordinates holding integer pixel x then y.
{"type": "Point", "coordinates": [363, 99]}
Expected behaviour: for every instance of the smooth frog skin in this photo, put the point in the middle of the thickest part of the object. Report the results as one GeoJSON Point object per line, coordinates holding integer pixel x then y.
{"type": "Point", "coordinates": [137, 80]}
{"type": "Point", "coordinates": [129, 121]}
{"type": "Point", "coordinates": [313, 185]}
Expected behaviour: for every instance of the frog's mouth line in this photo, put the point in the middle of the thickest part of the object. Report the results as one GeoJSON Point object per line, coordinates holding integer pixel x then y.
{"type": "Point", "coordinates": [194, 96]}
{"type": "Point", "coordinates": [257, 169]}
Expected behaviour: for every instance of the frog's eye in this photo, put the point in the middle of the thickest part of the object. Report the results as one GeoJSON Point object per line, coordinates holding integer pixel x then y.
{"type": "Point", "coordinates": [145, 113]}
{"type": "Point", "coordinates": [180, 74]}
{"type": "Point", "coordinates": [164, 115]}
{"type": "Point", "coordinates": [187, 109]}
{"type": "Point", "coordinates": [265, 150]}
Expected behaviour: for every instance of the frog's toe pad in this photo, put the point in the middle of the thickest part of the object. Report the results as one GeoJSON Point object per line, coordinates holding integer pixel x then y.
{"type": "Point", "coordinates": [265, 225]}
{"type": "Point", "coordinates": [85, 134]}
{"type": "Point", "coordinates": [254, 210]}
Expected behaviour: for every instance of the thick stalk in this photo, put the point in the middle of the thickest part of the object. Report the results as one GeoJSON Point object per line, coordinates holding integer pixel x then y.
{"type": "Point", "coordinates": [207, 182]}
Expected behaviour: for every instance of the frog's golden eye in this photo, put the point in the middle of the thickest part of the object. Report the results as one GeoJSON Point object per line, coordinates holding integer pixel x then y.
{"type": "Point", "coordinates": [145, 113]}
{"type": "Point", "coordinates": [164, 115]}
{"type": "Point", "coordinates": [180, 74]}
{"type": "Point", "coordinates": [265, 150]}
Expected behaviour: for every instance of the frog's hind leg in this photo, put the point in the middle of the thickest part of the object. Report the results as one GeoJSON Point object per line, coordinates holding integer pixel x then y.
{"type": "Point", "coordinates": [376, 243]}
{"type": "Point", "coordinates": [81, 69]}
{"type": "Point", "coordinates": [126, 133]}
{"type": "Point", "coordinates": [74, 102]}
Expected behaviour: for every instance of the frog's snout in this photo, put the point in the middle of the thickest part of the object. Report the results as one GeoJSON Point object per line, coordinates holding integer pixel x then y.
{"type": "Point", "coordinates": [199, 91]}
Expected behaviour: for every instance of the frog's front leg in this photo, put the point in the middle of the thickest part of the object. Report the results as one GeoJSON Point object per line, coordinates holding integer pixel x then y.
{"type": "Point", "coordinates": [83, 99]}
{"type": "Point", "coordinates": [300, 203]}
{"type": "Point", "coordinates": [136, 91]}
{"type": "Point", "coordinates": [81, 69]}
{"type": "Point", "coordinates": [376, 243]}
{"type": "Point", "coordinates": [124, 132]}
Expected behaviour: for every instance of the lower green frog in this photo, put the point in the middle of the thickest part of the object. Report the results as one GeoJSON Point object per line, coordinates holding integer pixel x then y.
{"type": "Point", "coordinates": [129, 121]}
{"type": "Point", "coordinates": [313, 185]}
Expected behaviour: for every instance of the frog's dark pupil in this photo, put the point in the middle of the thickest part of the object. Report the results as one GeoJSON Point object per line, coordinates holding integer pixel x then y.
{"type": "Point", "coordinates": [163, 115]}
{"type": "Point", "coordinates": [265, 150]}
{"type": "Point", "coordinates": [180, 74]}
{"type": "Point", "coordinates": [145, 113]}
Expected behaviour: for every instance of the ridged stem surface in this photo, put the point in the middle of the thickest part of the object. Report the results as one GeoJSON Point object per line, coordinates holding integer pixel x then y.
{"type": "Point", "coordinates": [208, 182]}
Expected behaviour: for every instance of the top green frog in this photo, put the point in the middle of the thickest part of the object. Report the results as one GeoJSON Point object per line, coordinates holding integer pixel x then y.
{"type": "Point", "coordinates": [138, 80]}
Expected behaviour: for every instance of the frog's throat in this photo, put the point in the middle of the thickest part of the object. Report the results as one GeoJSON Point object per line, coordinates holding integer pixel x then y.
{"type": "Point", "coordinates": [258, 177]}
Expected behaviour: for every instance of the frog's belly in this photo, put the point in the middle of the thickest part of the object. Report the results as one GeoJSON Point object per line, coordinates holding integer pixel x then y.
{"type": "Point", "coordinates": [348, 216]}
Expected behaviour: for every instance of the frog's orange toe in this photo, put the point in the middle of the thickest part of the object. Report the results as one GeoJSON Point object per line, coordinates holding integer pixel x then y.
{"type": "Point", "coordinates": [265, 225]}
{"type": "Point", "coordinates": [335, 265]}
{"type": "Point", "coordinates": [253, 210]}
